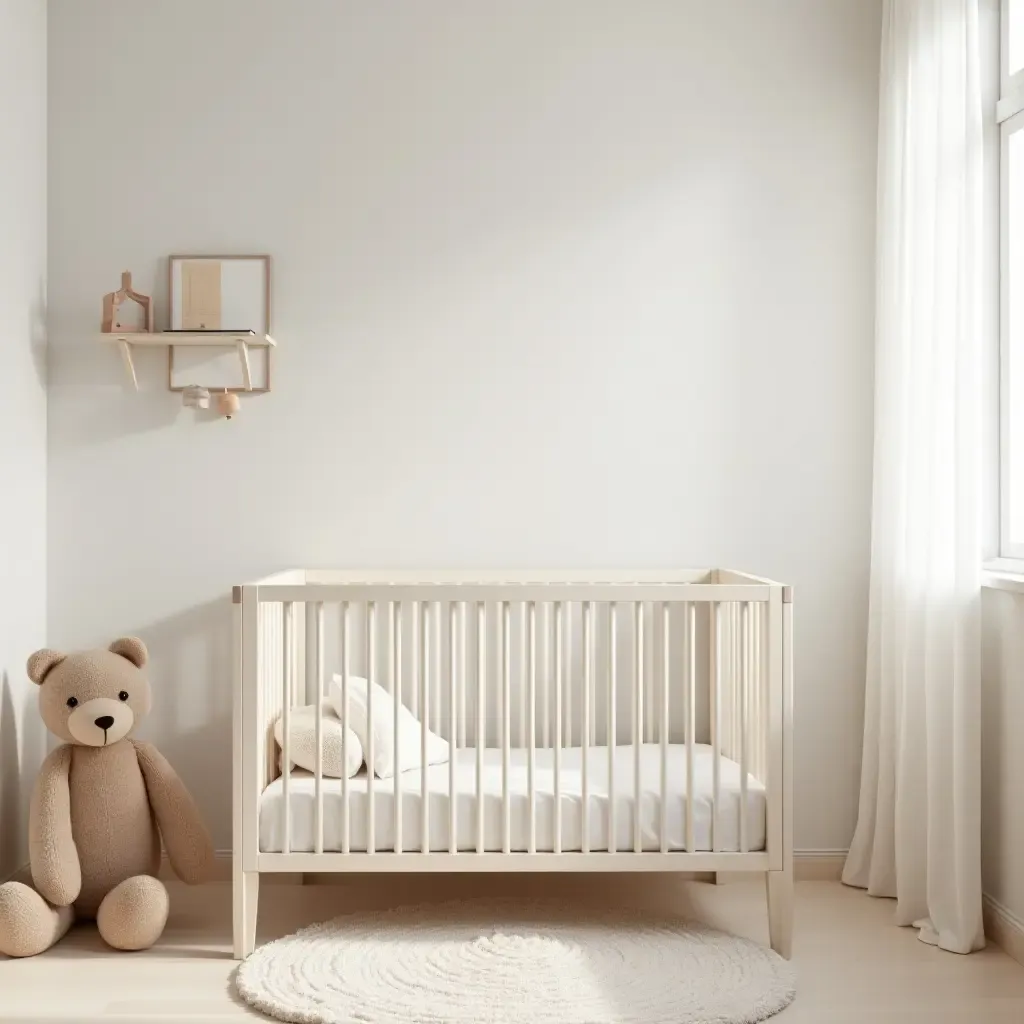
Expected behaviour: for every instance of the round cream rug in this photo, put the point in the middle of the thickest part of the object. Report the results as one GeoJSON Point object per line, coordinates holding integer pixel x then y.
{"type": "Point", "coordinates": [507, 961]}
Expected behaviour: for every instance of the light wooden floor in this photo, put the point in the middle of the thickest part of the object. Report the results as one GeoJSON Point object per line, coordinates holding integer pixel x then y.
{"type": "Point", "coordinates": [855, 966]}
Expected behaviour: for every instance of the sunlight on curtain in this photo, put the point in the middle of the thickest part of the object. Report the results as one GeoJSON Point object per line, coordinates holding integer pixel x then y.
{"type": "Point", "coordinates": [918, 830]}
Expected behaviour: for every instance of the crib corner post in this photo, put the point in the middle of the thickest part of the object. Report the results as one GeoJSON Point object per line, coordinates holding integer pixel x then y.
{"type": "Point", "coordinates": [246, 768]}
{"type": "Point", "coordinates": [780, 910]}
{"type": "Point", "coordinates": [787, 726]}
{"type": "Point", "coordinates": [787, 730]}
{"type": "Point", "coordinates": [245, 898]}
{"type": "Point", "coordinates": [779, 883]}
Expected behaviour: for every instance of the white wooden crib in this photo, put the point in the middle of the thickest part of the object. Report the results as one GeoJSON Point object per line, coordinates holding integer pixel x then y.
{"type": "Point", "coordinates": [598, 721]}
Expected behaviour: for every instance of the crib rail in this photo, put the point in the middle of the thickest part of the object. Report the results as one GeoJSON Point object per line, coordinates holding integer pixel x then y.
{"type": "Point", "coordinates": [580, 665]}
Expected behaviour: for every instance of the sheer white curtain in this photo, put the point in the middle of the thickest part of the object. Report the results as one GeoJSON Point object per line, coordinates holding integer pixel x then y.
{"type": "Point", "coordinates": [918, 832]}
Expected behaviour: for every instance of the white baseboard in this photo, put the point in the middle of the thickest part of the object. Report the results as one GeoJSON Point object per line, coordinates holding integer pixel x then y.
{"type": "Point", "coordinates": [1003, 928]}
{"type": "Point", "coordinates": [808, 866]}
{"type": "Point", "coordinates": [818, 865]}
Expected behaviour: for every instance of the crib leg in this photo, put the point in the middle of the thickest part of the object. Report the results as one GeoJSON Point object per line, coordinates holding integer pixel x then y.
{"type": "Point", "coordinates": [780, 911]}
{"type": "Point", "coordinates": [246, 896]}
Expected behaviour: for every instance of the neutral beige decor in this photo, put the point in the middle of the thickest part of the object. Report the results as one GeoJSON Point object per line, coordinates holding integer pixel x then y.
{"type": "Point", "coordinates": [102, 805]}
{"type": "Point", "coordinates": [566, 699]}
{"type": "Point", "coordinates": [341, 752]}
{"type": "Point", "coordinates": [500, 960]}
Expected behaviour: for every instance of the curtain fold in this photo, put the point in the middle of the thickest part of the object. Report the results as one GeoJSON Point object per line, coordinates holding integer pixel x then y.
{"type": "Point", "coordinates": [918, 834]}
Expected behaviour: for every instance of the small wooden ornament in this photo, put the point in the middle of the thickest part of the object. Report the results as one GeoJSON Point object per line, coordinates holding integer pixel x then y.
{"type": "Point", "coordinates": [112, 311]}
{"type": "Point", "coordinates": [227, 404]}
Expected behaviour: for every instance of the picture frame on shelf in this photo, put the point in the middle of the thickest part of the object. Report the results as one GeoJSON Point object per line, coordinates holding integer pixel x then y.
{"type": "Point", "coordinates": [218, 293]}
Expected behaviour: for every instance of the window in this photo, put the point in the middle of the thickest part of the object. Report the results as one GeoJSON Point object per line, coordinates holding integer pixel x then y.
{"type": "Point", "coordinates": [1014, 37]}
{"type": "Point", "coordinates": [1010, 114]}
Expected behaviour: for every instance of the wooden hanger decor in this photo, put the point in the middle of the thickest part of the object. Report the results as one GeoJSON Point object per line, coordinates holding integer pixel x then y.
{"type": "Point", "coordinates": [115, 308]}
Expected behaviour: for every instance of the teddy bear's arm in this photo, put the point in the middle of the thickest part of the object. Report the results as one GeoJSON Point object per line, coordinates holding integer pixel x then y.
{"type": "Point", "coordinates": [56, 870]}
{"type": "Point", "coordinates": [185, 837]}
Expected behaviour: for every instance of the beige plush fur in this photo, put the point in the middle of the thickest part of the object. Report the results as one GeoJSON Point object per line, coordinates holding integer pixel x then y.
{"type": "Point", "coordinates": [101, 805]}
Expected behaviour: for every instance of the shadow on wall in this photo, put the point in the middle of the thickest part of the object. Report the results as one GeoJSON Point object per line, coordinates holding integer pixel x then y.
{"type": "Point", "coordinates": [192, 726]}
{"type": "Point", "coordinates": [21, 753]}
{"type": "Point", "coordinates": [37, 335]}
{"type": "Point", "coordinates": [10, 787]}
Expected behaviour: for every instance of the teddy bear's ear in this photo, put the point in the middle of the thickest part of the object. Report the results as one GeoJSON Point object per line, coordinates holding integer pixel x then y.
{"type": "Point", "coordinates": [132, 648]}
{"type": "Point", "coordinates": [41, 662]}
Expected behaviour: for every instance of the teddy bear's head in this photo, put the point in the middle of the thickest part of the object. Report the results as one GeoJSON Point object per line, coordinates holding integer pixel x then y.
{"type": "Point", "coordinates": [93, 698]}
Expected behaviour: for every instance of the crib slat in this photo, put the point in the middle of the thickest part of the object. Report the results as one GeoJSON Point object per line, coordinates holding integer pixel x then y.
{"type": "Point", "coordinates": [763, 716]}
{"type": "Point", "coordinates": [438, 670]}
{"type": "Point", "coordinates": [744, 686]}
{"type": "Point", "coordinates": [748, 739]}
{"type": "Point", "coordinates": [545, 628]}
{"type": "Point", "coordinates": [395, 674]}
{"type": "Point", "coordinates": [319, 729]}
{"type": "Point", "coordinates": [596, 626]}
{"type": "Point", "coordinates": [521, 689]}
{"type": "Point", "coordinates": [423, 660]}
{"type": "Point", "coordinates": [663, 724]}
{"type": "Point", "coordinates": [531, 719]}
{"type": "Point", "coordinates": [567, 696]}
{"type": "Point", "coordinates": [755, 675]}
{"type": "Point", "coordinates": [588, 673]}
{"type": "Point", "coordinates": [638, 719]}
{"type": "Point", "coordinates": [651, 675]}
{"type": "Point", "coordinates": [463, 671]}
{"type": "Point", "coordinates": [691, 714]}
{"type": "Point", "coordinates": [261, 613]}
{"type": "Point", "coordinates": [716, 716]}
{"type": "Point", "coordinates": [371, 676]}
{"type": "Point", "coordinates": [559, 674]}
{"type": "Point", "coordinates": [735, 684]}
{"type": "Point", "coordinates": [453, 647]}
{"type": "Point", "coordinates": [344, 726]}
{"type": "Point", "coordinates": [287, 665]}
{"type": "Point", "coordinates": [481, 730]}
{"type": "Point", "coordinates": [506, 671]}
{"type": "Point", "coordinates": [725, 657]}
{"type": "Point", "coordinates": [613, 674]}
{"type": "Point", "coordinates": [755, 732]}
{"type": "Point", "coordinates": [727, 623]}
{"type": "Point", "coordinates": [414, 694]}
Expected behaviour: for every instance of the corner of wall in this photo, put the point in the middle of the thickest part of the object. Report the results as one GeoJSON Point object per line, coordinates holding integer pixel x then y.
{"type": "Point", "coordinates": [23, 409]}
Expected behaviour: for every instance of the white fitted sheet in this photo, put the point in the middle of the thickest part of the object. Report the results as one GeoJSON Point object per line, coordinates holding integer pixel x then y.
{"type": "Point", "coordinates": [302, 802]}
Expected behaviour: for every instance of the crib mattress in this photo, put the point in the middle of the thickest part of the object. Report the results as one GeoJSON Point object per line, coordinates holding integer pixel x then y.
{"type": "Point", "coordinates": [302, 802]}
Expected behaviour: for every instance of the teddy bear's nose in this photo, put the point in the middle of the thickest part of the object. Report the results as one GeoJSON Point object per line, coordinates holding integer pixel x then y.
{"type": "Point", "coordinates": [105, 722]}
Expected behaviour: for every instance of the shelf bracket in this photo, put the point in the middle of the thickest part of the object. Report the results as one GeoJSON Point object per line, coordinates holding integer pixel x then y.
{"type": "Point", "coordinates": [243, 356]}
{"type": "Point", "coordinates": [129, 365]}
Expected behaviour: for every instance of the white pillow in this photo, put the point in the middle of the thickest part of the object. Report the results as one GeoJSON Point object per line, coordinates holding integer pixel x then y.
{"type": "Point", "coordinates": [341, 753]}
{"type": "Point", "coordinates": [384, 738]}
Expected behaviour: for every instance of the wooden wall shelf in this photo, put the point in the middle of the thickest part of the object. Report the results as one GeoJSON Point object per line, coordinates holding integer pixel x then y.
{"type": "Point", "coordinates": [241, 341]}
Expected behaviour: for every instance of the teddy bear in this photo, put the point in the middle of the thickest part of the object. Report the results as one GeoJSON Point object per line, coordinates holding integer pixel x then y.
{"type": "Point", "coordinates": [101, 805]}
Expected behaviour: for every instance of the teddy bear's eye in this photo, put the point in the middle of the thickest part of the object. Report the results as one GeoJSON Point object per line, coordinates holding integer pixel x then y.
{"type": "Point", "coordinates": [123, 695]}
{"type": "Point", "coordinates": [72, 702]}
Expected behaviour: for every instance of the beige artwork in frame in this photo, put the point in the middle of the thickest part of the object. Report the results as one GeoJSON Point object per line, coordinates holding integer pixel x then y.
{"type": "Point", "coordinates": [219, 293]}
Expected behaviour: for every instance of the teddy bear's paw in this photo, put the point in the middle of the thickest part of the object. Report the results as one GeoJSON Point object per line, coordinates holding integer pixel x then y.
{"type": "Point", "coordinates": [28, 924]}
{"type": "Point", "coordinates": [133, 914]}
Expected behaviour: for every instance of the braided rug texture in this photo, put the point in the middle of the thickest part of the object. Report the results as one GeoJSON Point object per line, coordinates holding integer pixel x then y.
{"type": "Point", "coordinates": [508, 961]}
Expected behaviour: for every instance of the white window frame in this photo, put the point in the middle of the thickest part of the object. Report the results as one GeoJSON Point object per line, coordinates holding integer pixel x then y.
{"type": "Point", "coordinates": [1010, 117]}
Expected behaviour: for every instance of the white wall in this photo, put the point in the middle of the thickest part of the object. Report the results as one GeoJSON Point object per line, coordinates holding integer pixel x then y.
{"type": "Point", "coordinates": [22, 407]}
{"type": "Point", "coordinates": [1002, 779]}
{"type": "Point", "coordinates": [564, 284]}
